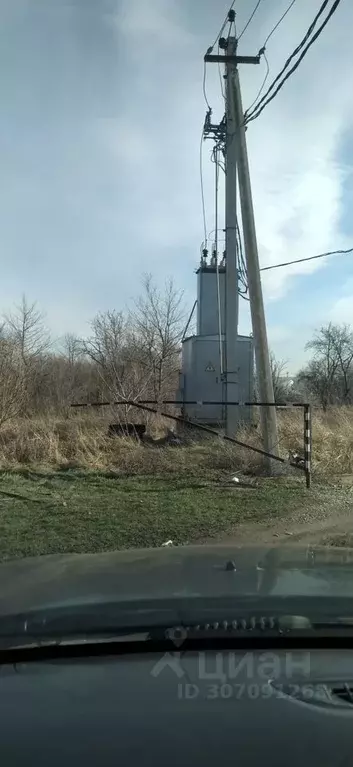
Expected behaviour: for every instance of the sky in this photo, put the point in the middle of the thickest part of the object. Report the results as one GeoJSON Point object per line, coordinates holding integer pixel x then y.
{"type": "Point", "coordinates": [101, 111]}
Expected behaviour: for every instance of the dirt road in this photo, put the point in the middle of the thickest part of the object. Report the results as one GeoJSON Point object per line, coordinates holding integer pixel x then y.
{"type": "Point", "coordinates": [327, 520]}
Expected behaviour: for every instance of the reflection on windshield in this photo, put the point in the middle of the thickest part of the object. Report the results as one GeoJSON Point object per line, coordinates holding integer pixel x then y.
{"type": "Point", "coordinates": [174, 371]}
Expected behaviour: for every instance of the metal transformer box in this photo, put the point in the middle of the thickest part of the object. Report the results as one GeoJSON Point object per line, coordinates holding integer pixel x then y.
{"type": "Point", "coordinates": [200, 377]}
{"type": "Point", "coordinates": [201, 380]}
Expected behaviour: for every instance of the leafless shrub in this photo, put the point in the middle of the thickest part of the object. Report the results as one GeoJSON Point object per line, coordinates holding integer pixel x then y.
{"type": "Point", "coordinates": [12, 381]}
{"type": "Point", "coordinates": [328, 376]}
{"type": "Point", "coordinates": [158, 319]}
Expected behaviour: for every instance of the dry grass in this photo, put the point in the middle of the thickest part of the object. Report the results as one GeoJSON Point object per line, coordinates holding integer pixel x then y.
{"type": "Point", "coordinates": [333, 441]}
{"type": "Point", "coordinates": [83, 442]}
{"type": "Point", "coordinates": [332, 444]}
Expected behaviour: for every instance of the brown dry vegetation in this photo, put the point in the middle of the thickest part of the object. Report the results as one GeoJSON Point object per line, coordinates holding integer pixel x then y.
{"type": "Point", "coordinates": [68, 487]}
{"type": "Point", "coordinates": [82, 441]}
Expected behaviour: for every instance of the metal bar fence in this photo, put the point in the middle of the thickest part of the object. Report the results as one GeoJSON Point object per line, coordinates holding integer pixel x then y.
{"type": "Point", "coordinates": [180, 403]}
{"type": "Point", "coordinates": [307, 444]}
{"type": "Point", "coordinates": [143, 405]}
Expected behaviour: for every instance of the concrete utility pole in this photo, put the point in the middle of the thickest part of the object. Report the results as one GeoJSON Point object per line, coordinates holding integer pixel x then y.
{"type": "Point", "coordinates": [237, 166]}
{"type": "Point", "coordinates": [262, 359]}
{"type": "Point", "coordinates": [231, 291]}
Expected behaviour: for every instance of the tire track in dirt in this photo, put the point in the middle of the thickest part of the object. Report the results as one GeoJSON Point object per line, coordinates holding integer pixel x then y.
{"type": "Point", "coordinates": [332, 515]}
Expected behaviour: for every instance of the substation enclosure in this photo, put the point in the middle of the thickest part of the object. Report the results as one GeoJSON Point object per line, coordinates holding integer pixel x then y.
{"type": "Point", "coordinates": [203, 370]}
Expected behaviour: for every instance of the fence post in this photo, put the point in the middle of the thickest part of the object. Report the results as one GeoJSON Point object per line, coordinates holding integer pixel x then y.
{"type": "Point", "coordinates": [307, 444]}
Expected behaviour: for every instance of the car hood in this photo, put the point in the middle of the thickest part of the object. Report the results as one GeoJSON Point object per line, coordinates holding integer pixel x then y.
{"type": "Point", "coordinates": [175, 572]}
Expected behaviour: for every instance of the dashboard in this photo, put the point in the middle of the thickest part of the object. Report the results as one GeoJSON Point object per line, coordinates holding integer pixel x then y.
{"type": "Point", "coordinates": [236, 707]}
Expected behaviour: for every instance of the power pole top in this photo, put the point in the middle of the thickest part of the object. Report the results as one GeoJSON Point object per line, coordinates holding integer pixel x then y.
{"type": "Point", "coordinates": [232, 59]}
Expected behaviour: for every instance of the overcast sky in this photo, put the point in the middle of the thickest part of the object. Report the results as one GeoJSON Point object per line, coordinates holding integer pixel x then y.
{"type": "Point", "coordinates": [101, 109]}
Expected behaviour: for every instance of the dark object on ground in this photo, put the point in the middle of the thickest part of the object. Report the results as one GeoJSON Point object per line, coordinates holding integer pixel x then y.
{"type": "Point", "coordinates": [296, 459]}
{"type": "Point", "coordinates": [136, 430]}
{"type": "Point", "coordinates": [170, 439]}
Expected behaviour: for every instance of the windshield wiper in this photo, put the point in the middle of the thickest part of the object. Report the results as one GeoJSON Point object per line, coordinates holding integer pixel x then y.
{"type": "Point", "coordinates": [173, 621]}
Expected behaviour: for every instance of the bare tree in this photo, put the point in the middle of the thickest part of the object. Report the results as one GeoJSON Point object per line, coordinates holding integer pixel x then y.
{"type": "Point", "coordinates": [27, 329]}
{"type": "Point", "coordinates": [329, 373]}
{"type": "Point", "coordinates": [315, 383]}
{"type": "Point", "coordinates": [71, 348]}
{"type": "Point", "coordinates": [69, 376]}
{"type": "Point", "coordinates": [12, 382]}
{"type": "Point", "coordinates": [127, 355]}
{"type": "Point", "coordinates": [158, 320]}
{"type": "Point", "coordinates": [280, 384]}
{"type": "Point", "coordinates": [109, 349]}
{"type": "Point", "coordinates": [342, 340]}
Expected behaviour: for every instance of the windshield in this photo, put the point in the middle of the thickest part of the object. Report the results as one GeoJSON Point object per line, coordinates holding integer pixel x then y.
{"type": "Point", "coordinates": [176, 342]}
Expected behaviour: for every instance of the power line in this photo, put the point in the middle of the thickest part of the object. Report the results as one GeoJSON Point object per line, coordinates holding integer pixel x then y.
{"type": "Point", "coordinates": [249, 20]}
{"type": "Point", "coordinates": [278, 22]}
{"type": "Point", "coordinates": [310, 258]}
{"type": "Point", "coordinates": [263, 84]}
{"type": "Point", "coordinates": [210, 49]}
{"type": "Point", "coordinates": [227, 19]}
{"type": "Point", "coordinates": [203, 193]}
{"type": "Point", "coordinates": [221, 78]}
{"type": "Point", "coordinates": [204, 86]}
{"type": "Point", "coordinates": [265, 100]}
{"type": "Point", "coordinates": [220, 344]}
{"type": "Point", "coordinates": [242, 271]}
{"type": "Point", "coordinates": [297, 49]}
{"type": "Point", "coordinates": [215, 154]}
{"type": "Point", "coordinates": [296, 65]}
{"type": "Point", "coordinates": [263, 53]}
{"type": "Point", "coordinates": [222, 27]}
{"type": "Point", "coordinates": [215, 157]}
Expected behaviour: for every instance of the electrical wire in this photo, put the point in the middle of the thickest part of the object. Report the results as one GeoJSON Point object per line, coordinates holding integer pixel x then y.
{"type": "Point", "coordinates": [264, 100]}
{"type": "Point", "coordinates": [279, 22]}
{"type": "Point", "coordinates": [310, 258]}
{"type": "Point", "coordinates": [220, 239]}
{"type": "Point", "coordinates": [216, 149]}
{"type": "Point", "coordinates": [203, 193]}
{"type": "Point", "coordinates": [262, 86]}
{"type": "Point", "coordinates": [295, 66]}
{"type": "Point", "coordinates": [217, 146]}
{"type": "Point", "coordinates": [263, 53]}
{"type": "Point", "coordinates": [209, 108]}
{"type": "Point", "coordinates": [242, 270]}
{"type": "Point", "coordinates": [297, 49]}
{"type": "Point", "coordinates": [249, 20]}
{"type": "Point", "coordinates": [222, 27]}
{"type": "Point", "coordinates": [221, 78]}
{"type": "Point", "coordinates": [210, 49]}
{"type": "Point", "coordinates": [204, 86]}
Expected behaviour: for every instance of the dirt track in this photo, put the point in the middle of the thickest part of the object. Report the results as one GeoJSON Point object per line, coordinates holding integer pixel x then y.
{"type": "Point", "coordinates": [327, 520]}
